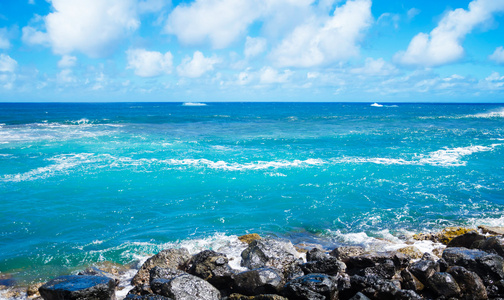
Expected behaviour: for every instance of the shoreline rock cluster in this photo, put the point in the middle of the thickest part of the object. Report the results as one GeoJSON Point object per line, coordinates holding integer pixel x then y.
{"type": "Point", "coordinates": [470, 267]}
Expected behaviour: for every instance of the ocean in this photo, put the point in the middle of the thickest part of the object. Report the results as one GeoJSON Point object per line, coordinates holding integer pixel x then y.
{"type": "Point", "coordinates": [87, 183]}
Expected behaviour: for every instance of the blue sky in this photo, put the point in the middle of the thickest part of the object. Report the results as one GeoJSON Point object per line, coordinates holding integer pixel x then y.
{"type": "Point", "coordinates": [252, 50]}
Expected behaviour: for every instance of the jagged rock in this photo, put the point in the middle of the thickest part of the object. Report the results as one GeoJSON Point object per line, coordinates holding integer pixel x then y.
{"type": "Point", "coordinates": [489, 267]}
{"type": "Point", "coordinates": [140, 290]}
{"type": "Point", "coordinates": [33, 289]}
{"type": "Point", "coordinates": [93, 271]}
{"type": "Point", "coordinates": [146, 297]}
{"type": "Point", "coordinates": [407, 295]}
{"type": "Point", "coordinates": [374, 287]}
{"type": "Point", "coordinates": [258, 281]}
{"type": "Point", "coordinates": [423, 269]}
{"type": "Point", "coordinates": [212, 267]}
{"type": "Point", "coordinates": [445, 236]}
{"type": "Point", "coordinates": [492, 230]}
{"type": "Point", "coordinates": [325, 264]}
{"type": "Point", "coordinates": [384, 265]}
{"type": "Point", "coordinates": [496, 290]}
{"type": "Point", "coordinates": [443, 265]}
{"type": "Point", "coordinates": [410, 282]}
{"type": "Point", "coordinates": [257, 297]}
{"type": "Point", "coordinates": [249, 238]}
{"type": "Point", "coordinates": [316, 254]}
{"type": "Point", "coordinates": [312, 287]}
{"type": "Point", "coordinates": [470, 283]}
{"type": "Point", "coordinates": [277, 254]}
{"type": "Point", "coordinates": [185, 287]}
{"type": "Point", "coordinates": [79, 287]}
{"type": "Point", "coordinates": [164, 273]}
{"type": "Point", "coordinates": [493, 245]}
{"type": "Point", "coordinates": [359, 296]}
{"type": "Point", "coordinates": [170, 258]}
{"type": "Point", "coordinates": [466, 240]}
{"type": "Point", "coordinates": [411, 251]}
{"type": "Point", "coordinates": [443, 284]}
{"type": "Point", "coordinates": [345, 252]}
{"type": "Point", "coordinates": [292, 271]}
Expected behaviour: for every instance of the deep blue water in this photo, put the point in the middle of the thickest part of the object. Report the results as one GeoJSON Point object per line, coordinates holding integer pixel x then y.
{"type": "Point", "coordinates": [81, 183]}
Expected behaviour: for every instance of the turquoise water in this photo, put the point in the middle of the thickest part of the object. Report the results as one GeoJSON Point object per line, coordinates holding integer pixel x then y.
{"type": "Point", "coordinates": [82, 183]}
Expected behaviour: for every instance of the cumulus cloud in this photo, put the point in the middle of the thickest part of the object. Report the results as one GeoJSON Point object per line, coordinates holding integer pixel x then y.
{"type": "Point", "coordinates": [269, 75]}
{"type": "Point", "coordinates": [7, 63]}
{"type": "Point", "coordinates": [319, 42]}
{"type": "Point", "coordinates": [197, 66]}
{"type": "Point", "coordinates": [254, 46]}
{"type": "Point", "coordinates": [4, 40]}
{"type": "Point", "coordinates": [377, 67]}
{"type": "Point", "coordinates": [67, 61]}
{"type": "Point", "coordinates": [219, 22]}
{"type": "Point", "coordinates": [149, 63]}
{"type": "Point", "coordinates": [413, 12]}
{"type": "Point", "coordinates": [93, 27]}
{"type": "Point", "coordinates": [498, 55]}
{"type": "Point", "coordinates": [443, 44]}
{"type": "Point", "coordinates": [65, 76]}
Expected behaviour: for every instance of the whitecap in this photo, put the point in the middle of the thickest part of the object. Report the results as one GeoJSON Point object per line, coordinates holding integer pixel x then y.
{"type": "Point", "coordinates": [376, 105]}
{"type": "Point", "coordinates": [193, 104]}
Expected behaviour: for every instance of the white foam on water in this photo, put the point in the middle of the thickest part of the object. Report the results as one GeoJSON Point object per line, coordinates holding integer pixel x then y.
{"type": "Point", "coordinates": [499, 113]}
{"type": "Point", "coordinates": [193, 104]}
{"type": "Point", "coordinates": [376, 105]}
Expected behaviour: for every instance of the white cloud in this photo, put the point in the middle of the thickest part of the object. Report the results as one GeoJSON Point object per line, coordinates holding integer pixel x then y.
{"type": "Point", "coordinates": [197, 66]}
{"type": "Point", "coordinates": [67, 61]}
{"type": "Point", "coordinates": [269, 75]}
{"type": "Point", "coordinates": [413, 12]}
{"type": "Point", "coordinates": [93, 27]}
{"type": "Point", "coordinates": [65, 76]}
{"type": "Point", "coordinates": [498, 55]}
{"type": "Point", "coordinates": [149, 63]}
{"type": "Point", "coordinates": [335, 38]}
{"type": "Point", "coordinates": [32, 2]}
{"type": "Point", "coordinates": [220, 22]}
{"type": "Point", "coordinates": [377, 67]}
{"type": "Point", "coordinates": [7, 63]}
{"type": "Point", "coordinates": [244, 78]}
{"type": "Point", "coordinates": [149, 6]}
{"type": "Point", "coordinates": [4, 41]}
{"type": "Point", "coordinates": [254, 46]}
{"type": "Point", "coordinates": [443, 44]}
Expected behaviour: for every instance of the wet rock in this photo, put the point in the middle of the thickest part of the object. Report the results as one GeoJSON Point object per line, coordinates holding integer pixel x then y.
{"type": "Point", "coordinates": [93, 271]}
{"type": "Point", "coordinates": [140, 290]}
{"type": "Point", "coordinates": [359, 296]}
{"type": "Point", "coordinates": [212, 267]}
{"type": "Point", "coordinates": [489, 267]}
{"type": "Point", "coordinates": [345, 252]}
{"type": "Point", "coordinates": [407, 295]}
{"type": "Point", "coordinates": [410, 282]}
{"type": "Point", "coordinates": [257, 297]}
{"type": "Point", "coordinates": [164, 273]}
{"type": "Point", "coordinates": [170, 258]}
{"type": "Point", "coordinates": [312, 287]}
{"type": "Point", "coordinates": [185, 287]}
{"type": "Point", "coordinates": [491, 230]}
{"type": "Point", "coordinates": [78, 287]}
{"type": "Point", "coordinates": [496, 290]}
{"type": "Point", "coordinates": [146, 297]}
{"type": "Point", "coordinates": [411, 251]}
{"type": "Point", "coordinates": [249, 238]}
{"type": "Point", "coordinates": [443, 265]}
{"type": "Point", "coordinates": [447, 234]}
{"type": "Point", "coordinates": [384, 265]}
{"type": "Point", "coordinates": [470, 283]}
{"type": "Point", "coordinates": [292, 271]}
{"type": "Point", "coordinates": [493, 245]}
{"type": "Point", "coordinates": [443, 284]}
{"type": "Point", "coordinates": [374, 287]}
{"type": "Point", "coordinates": [316, 254]}
{"type": "Point", "coordinates": [327, 265]}
{"type": "Point", "coordinates": [423, 269]}
{"type": "Point", "coordinates": [466, 240]}
{"type": "Point", "coordinates": [277, 254]}
{"type": "Point", "coordinates": [258, 281]}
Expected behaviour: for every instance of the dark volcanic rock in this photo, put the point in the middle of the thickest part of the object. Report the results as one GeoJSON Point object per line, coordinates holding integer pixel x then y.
{"type": "Point", "coordinates": [164, 273]}
{"type": "Point", "coordinates": [344, 252]}
{"type": "Point", "coordinates": [146, 297]}
{"type": "Point", "coordinates": [359, 296]}
{"type": "Point", "coordinates": [316, 254]}
{"type": "Point", "coordinates": [79, 287]}
{"type": "Point", "coordinates": [489, 267]}
{"type": "Point", "coordinates": [170, 258]}
{"type": "Point", "coordinates": [257, 297]}
{"type": "Point", "coordinates": [141, 290]}
{"type": "Point", "coordinates": [493, 245]}
{"type": "Point", "coordinates": [277, 254]}
{"type": "Point", "coordinates": [410, 282]}
{"type": "Point", "coordinates": [470, 283]}
{"type": "Point", "coordinates": [312, 287]}
{"type": "Point", "coordinates": [423, 269]}
{"type": "Point", "coordinates": [185, 287]}
{"type": "Point", "coordinates": [212, 267]}
{"type": "Point", "coordinates": [443, 284]}
{"type": "Point", "coordinates": [384, 265]}
{"type": "Point", "coordinates": [374, 287]}
{"type": "Point", "coordinates": [259, 281]}
{"type": "Point", "coordinates": [325, 264]}
{"type": "Point", "coordinates": [466, 240]}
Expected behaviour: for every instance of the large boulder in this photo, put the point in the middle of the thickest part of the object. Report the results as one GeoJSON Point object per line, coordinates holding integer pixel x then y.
{"type": "Point", "coordinates": [320, 262]}
{"type": "Point", "coordinates": [383, 265]}
{"type": "Point", "coordinates": [374, 287]}
{"type": "Point", "coordinates": [410, 281]}
{"type": "Point", "coordinates": [164, 273]}
{"type": "Point", "coordinates": [312, 287]}
{"type": "Point", "coordinates": [470, 284]}
{"type": "Point", "coordinates": [423, 269]}
{"type": "Point", "coordinates": [212, 267]}
{"type": "Point", "coordinates": [146, 297]}
{"type": "Point", "coordinates": [443, 284]}
{"type": "Point", "coordinates": [493, 245]}
{"type": "Point", "coordinates": [258, 281]}
{"type": "Point", "coordinates": [489, 267]}
{"type": "Point", "coordinates": [77, 287]}
{"type": "Point", "coordinates": [273, 253]}
{"type": "Point", "coordinates": [466, 240]}
{"type": "Point", "coordinates": [170, 258]}
{"type": "Point", "coordinates": [344, 252]}
{"type": "Point", "coordinates": [185, 287]}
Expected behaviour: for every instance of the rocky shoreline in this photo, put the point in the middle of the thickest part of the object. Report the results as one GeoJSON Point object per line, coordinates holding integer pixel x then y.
{"type": "Point", "coordinates": [469, 265]}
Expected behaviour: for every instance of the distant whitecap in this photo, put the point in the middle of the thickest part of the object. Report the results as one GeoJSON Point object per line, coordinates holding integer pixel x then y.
{"type": "Point", "coordinates": [376, 105]}
{"type": "Point", "coordinates": [193, 104]}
